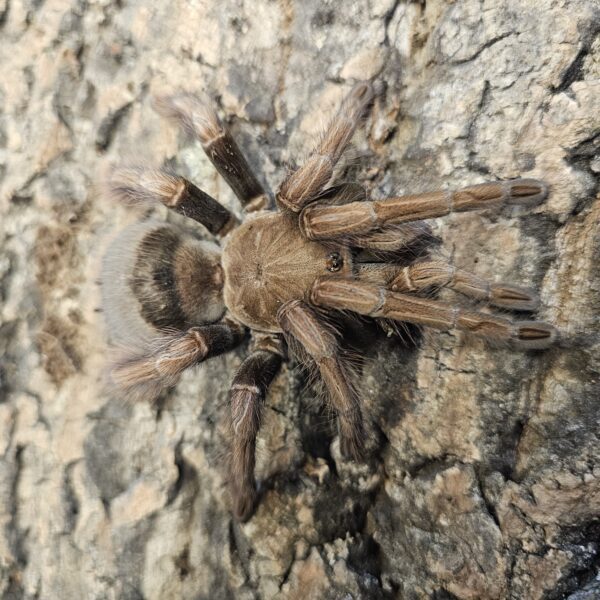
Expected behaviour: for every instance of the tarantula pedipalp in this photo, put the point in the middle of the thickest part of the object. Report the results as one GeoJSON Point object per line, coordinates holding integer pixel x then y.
{"type": "Point", "coordinates": [285, 274]}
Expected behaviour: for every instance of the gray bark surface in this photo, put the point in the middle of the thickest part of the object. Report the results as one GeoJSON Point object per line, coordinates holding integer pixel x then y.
{"type": "Point", "coordinates": [486, 480]}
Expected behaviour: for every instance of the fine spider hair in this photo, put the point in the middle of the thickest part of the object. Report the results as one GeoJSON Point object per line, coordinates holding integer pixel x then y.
{"type": "Point", "coordinates": [289, 275]}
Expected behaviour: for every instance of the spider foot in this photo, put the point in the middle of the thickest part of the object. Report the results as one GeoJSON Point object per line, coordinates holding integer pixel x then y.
{"type": "Point", "coordinates": [359, 438]}
{"type": "Point", "coordinates": [534, 335]}
{"type": "Point", "coordinates": [244, 498]}
{"type": "Point", "coordinates": [352, 446]}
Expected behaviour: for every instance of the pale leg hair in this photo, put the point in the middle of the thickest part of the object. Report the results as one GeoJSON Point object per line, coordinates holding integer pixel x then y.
{"type": "Point", "coordinates": [302, 324]}
{"type": "Point", "coordinates": [322, 222]}
{"type": "Point", "coordinates": [378, 302]}
{"type": "Point", "coordinates": [306, 183]}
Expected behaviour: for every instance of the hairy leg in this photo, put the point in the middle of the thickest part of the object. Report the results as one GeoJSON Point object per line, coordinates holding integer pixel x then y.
{"type": "Point", "coordinates": [138, 185]}
{"type": "Point", "coordinates": [199, 119]}
{"type": "Point", "coordinates": [320, 222]}
{"type": "Point", "coordinates": [302, 325]}
{"type": "Point", "coordinates": [410, 238]}
{"type": "Point", "coordinates": [248, 392]}
{"type": "Point", "coordinates": [394, 238]}
{"type": "Point", "coordinates": [146, 374]}
{"type": "Point", "coordinates": [306, 183]}
{"type": "Point", "coordinates": [376, 301]}
{"type": "Point", "coordinates": [438, 273]}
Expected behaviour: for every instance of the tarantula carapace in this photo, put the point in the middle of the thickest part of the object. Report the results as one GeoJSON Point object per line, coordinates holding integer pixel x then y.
{"type": "Point", "coordinates": [284, 274]}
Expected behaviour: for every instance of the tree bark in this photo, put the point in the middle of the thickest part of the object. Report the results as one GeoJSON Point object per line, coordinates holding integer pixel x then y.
{"type": "Point", "coordinates": [485, 482]}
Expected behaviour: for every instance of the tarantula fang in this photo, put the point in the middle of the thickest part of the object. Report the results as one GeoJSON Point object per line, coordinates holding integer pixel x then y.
{"type": "Point", "coordinates": [285, 274]}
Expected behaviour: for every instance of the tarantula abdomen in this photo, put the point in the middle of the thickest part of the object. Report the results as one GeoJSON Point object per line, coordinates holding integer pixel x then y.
{"type": "Point", "coordinates": [156, 277]}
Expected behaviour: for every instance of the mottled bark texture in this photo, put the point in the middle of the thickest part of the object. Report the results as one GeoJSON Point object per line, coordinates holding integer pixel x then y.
{"type": "Point", "coordinates": [485, 482]}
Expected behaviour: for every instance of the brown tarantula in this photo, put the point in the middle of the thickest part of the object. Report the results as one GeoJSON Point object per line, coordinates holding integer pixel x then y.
{"type": "Point", "coordinates": [284, 274]}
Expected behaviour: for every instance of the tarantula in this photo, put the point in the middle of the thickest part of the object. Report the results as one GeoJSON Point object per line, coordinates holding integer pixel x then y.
{"type": "Point", "coordinates": [284, 274]}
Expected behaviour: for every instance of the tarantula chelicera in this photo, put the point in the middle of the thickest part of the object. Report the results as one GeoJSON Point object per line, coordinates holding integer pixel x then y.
{"type": "Point", "coordinates": [285, 274]}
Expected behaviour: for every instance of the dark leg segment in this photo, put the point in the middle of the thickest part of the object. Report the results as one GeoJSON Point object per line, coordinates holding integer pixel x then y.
{"type": "Point", "coordinates": [330, 222]}
{"type": "Point", "coordinates": [318, 340]}
{"type": "Point", "coordinates": [248, 392]}
{"type": "Point", "coordinates": [375, 301]}
{"type": "Point", "coordinates": [144, 375]}
{"type": "Point", "coordinates": [437, 274]}
{"type": "Point", "coordinates": [307, 182]}
{"type": "Point", "coordinates": [137, 185]}
{"type": "Point", "coordinates": [200, 120]}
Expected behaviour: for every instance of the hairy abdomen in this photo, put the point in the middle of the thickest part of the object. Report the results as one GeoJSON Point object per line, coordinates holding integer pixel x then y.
{"type": "Point", "coordinates": [155, 277]}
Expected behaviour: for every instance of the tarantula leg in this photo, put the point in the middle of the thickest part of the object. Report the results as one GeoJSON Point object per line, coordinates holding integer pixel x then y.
{"type": "Point", "coordinates": [330, 222]}
{"type": "Point", "coordinates": [300, 323]}
{"type": "Point", "coordinates": [199, 119]}
{"type": "Point", "coordinates": [147, 373]}
{"type": "Point", "coordinates": [307, 182]}
{"type": "Point", "coordinates": [138, 185]}
{"type": "Point", "coordinates": [247, 395]}
{"type": "Point", "coordinates": [376, 301]}
{"type": "Point", "coordinates": [437, 274]}
{"type": "Point", "coordinates": [394, 238]}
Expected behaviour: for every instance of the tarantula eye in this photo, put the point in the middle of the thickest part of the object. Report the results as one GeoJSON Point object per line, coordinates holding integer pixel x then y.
{"type": "Point", "coordinates": [334, 262]}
